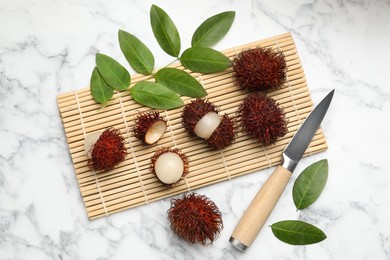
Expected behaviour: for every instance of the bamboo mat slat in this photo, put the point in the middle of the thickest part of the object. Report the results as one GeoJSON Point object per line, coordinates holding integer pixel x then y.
{"type": "Point", "coordinates": [132, 184]}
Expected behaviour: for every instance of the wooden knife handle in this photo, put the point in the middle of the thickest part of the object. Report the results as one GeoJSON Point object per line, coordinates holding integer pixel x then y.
{"type": "Point", "coordinates": [260, 208]}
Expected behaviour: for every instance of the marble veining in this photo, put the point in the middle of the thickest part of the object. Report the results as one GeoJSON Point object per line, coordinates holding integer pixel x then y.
{"type": "Point", "coordinates": [48, 47]}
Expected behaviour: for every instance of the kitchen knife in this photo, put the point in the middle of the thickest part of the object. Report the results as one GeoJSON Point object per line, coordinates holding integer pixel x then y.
{"type": "Point", "coordinates": [266, 198]}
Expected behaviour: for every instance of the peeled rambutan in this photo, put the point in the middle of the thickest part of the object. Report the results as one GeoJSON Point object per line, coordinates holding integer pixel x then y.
{"type": "Point", "coordinates": [149, 127]}
{"type": "Point", "coordinates": [201, 118]}
{"type": "Point", "coordinates": [169, 165]}
{"type": "Point", "coordinates": [195, 219]}
{"type": "Point", "coordinates": [108, 151]}
{"type": "Point", "coordinates": [262, 118]}
{"type": "Point", "coordinates": [259, 69]}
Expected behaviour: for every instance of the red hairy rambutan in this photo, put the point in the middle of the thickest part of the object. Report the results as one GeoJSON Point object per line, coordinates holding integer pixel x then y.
{"type": "Point", "coordinates": [201, 118]}
{"type": "Point", "coordinates": [108, 151]}
{"type": "Point", "coordinates": [262, 118]}
{"type": "Point", "coordinates": [195, 219]}
{"type": "Point", "coordinates": [259, 69]}
{"type": "Point", "coordinates": [149, 127]}
{"type": "Point", "coordinates": [194, 111]}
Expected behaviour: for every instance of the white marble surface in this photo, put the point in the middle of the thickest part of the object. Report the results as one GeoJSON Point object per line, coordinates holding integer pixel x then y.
{"type": "Point", "coordinates": [48, 47]}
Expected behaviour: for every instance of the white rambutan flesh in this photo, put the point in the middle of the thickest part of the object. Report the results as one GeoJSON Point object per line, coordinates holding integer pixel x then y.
{"type": "Point", "coordinates": [89, 141]}
{"type": "Point", "coordinates": [169, 167]}
{"type": "Point", "coordinates": [207, 125]}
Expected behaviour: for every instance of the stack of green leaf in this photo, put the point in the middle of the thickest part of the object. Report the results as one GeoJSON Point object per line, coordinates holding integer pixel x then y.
{"type": "Point", "coordinates": [164, 87]}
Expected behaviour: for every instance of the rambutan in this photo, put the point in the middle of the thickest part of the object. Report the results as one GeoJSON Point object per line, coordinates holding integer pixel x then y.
{"type": "Point", "coordinates": [259, 69]}
{"type": "Point", "coordinates": [149, 127]}
{"type": "Point", "coordinates": [201, 118]}
{"type": "Point", "coordinates": [169, 165]}
{"type": "Point", "coordinates": [195, 219]}
{"type": "Point", "coordinates": [262, 118]}
{"type": "Point", "coordinates": [108, 151]}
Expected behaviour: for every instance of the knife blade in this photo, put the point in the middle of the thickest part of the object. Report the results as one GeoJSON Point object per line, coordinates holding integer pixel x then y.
{"type": "Point", "coordinates": [266, 198]}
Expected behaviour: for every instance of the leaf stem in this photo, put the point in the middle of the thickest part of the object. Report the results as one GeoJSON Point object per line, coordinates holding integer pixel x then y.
{"type": "Point", "coordinates": [150, 77]}
{"type": "Point", "coordinates": [169, 64]}
{"type": "Point", "coordinates": [109, 102]}
{"type": "Point", "coordinates": [166, 66]}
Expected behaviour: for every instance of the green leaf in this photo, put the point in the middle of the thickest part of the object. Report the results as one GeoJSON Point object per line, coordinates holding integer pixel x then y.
{"type": "Point", "coordinates": [112, 72]}
{"type": "Point", "coordinates": [100, 91]}
{"type": "Point", "coordinates": [165, 31]}
{"type": "Point", "coordinates": [310, 183]}
{"type": "Point", "coordinates": [155, 95]}
{"type": "Point", "coordinates": [295, 232]}
{"type": "Point", "coordinates": [204, 60]}
{"type": "Point", "coordinates": [136, 53]}
{"type": "Point", "coordinates": [213, 29]}
{"type": "Point", "coordinates": [180, 82]}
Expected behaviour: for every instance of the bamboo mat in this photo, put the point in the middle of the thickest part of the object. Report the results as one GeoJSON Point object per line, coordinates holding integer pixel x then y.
{"type": "Point", "coordinates": [132, 184]}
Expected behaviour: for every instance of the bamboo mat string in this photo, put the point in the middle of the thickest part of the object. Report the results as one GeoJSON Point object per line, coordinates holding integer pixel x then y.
{"type": "Point", "coordinates": [300, 121]}
{"type": "Point", "coordinates": [199, 76]}
{"type": "Point", "coordinates": [187, 184]}
{"type": "Point", "coordinates": [225, 165]}
{"type": "Point", "coordinates": [175, 145]}
{"type": "Point", "coordinates": [267, 157]}
{"type": "Point", "coordinates": [221, 152]}
{"type": "Point", "coordinates": [170, 128]}
{"type": "Point", "coordinates": [132, 150]}
{"type": "Point", "coordinates": [85, 136]}
{"type": "Point", "coordinates": [235, 51]}
{"type": "Point", "coordinates": [289, 87]}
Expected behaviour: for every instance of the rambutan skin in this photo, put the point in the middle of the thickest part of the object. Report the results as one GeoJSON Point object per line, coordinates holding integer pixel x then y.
{"type": "Point", "coordinates": [194, 111]}
{"type": "Point", "coordinates": [108, 151]}
{"type": "Point", "coordinates": [259, 69]}
{"type": "Point", "coordinates": [261, 118]}
{"type": "Point", "coordinates": [224, 135]}
{"type": "Point", "coordinates": [143, 122]}
{"type": "Point", "coordinates": [195, 219]}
